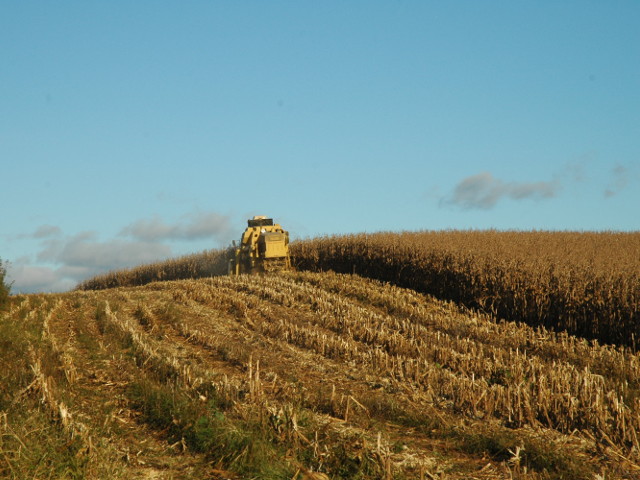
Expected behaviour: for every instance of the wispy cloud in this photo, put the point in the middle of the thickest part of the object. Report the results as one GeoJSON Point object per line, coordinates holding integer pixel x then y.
{"type": "Point", "coordinates": [86, 251]}
{"type": "Point", "coordinates": [63, 260]}
{"type": "Point", "coordinates": [619, 181]}
{"type": "Point", "coordinates": [28, 278]}
{"type": "Point", "coordinates": [484, 191]}
{"type": "Point", "coordinates": [192, 227]}
{"type": "Point", "coordinates": [45, 231]}
{"type": "Point", "coordinates": [576, 170]}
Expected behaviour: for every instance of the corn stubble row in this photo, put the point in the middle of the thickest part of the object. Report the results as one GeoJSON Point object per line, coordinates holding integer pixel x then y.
{"type": "Point", "coordinates": [433, 354]}
{"type": "Point", "coordinates": [247, 393]}
{"type": "Point", "coordinates": [463, 363]}
{"type": "Point", "coordinates": [54, 372]}
{"type": "Point", "coordinates": [585, 283]}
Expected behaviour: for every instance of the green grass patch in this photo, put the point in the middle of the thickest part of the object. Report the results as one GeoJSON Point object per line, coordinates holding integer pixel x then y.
{"type": "Point", "coordinates": [33, 447]}
{"type": "Point", "coordinates": [32, 443]}
{"type": "Point", "coordinates": [535, 454]}
{"type": "Point", "coordinates": [243, 446]}
{"type": "Point", "coordinates": [15, 374]}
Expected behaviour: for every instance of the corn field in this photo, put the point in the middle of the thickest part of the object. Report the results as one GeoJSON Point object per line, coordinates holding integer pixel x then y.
{"type": "Point", "coordinates": [585, 283]}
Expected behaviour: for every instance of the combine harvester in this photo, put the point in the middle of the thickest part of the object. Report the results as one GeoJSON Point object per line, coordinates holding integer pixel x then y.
{"type": "Point", "coordinates": [264, 248]}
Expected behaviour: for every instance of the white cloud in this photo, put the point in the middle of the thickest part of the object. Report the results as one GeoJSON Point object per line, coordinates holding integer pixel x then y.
{"type": "Point", "coordinates": [65, 260]}
{"type": "Point", "coordinates": [30, 278]}
{"type": "Point", "coordinates": [192, 227]}
{"type": "Point", "coordinates": [83, 250]}
{"type": "Point", "coordinates": [111, 254]}
{"type": "Point", "coordinates": [153, 229]}
{"type": "Point", "coordinates": [484, 191]}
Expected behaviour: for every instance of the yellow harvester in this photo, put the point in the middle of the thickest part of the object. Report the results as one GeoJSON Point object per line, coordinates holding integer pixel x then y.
{"type": "Point", "coordinates": [264, 247]}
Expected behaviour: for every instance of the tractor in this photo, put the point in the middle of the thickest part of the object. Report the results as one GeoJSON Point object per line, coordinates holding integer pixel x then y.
{"type": "Point", "coordinates": [263, 248]}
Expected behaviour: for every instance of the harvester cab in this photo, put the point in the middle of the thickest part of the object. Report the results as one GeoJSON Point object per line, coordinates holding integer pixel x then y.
{"type": "Point", "coordinates": [264, 247]}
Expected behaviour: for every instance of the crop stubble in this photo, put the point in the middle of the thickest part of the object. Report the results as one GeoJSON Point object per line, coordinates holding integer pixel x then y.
{"type": "Point", "coordinates": [354, 358]}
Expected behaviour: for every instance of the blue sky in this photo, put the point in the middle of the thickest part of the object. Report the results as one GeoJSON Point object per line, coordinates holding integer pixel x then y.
{"type": "Point", "coordinates": [138, 131]}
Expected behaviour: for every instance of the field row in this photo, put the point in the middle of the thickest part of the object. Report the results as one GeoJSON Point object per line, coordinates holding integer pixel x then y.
{"type": "Point", "coordinates": [431, 354]}
{"type": "Point", "coordinates": [517, 374]}
{"type": "Point", "coordinates": [313, 376]}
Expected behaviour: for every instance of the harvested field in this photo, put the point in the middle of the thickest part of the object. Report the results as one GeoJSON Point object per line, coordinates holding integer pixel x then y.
{"type": "Point", "coordinates": [304, 376]}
